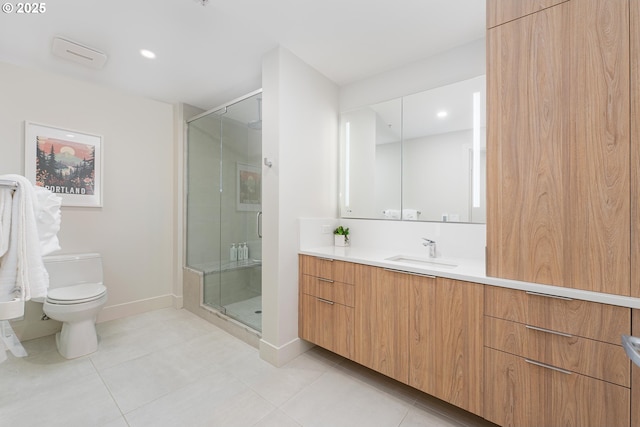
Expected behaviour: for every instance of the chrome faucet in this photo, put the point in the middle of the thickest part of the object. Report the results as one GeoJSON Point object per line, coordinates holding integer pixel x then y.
{"type": "Point", "coordinates": [431, 244]}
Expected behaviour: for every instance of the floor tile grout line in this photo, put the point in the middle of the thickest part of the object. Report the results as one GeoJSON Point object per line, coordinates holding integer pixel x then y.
{"type": "Point", "coordinates": [109, 391]}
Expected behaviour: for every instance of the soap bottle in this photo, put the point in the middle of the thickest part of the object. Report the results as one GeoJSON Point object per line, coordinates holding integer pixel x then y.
{"type": "Point", "coordinates": [245, 251]}
{"type": "Point", "coordinates": [233, 253]}
{"type": "Point", "coordinates": [240, 252]}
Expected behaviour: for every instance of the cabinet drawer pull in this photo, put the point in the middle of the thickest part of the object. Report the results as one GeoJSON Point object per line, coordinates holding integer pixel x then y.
{"type": "Point", "coordinates": [326, 301]}
{"type": "Point", "coordinates": [410, 272]}
{"type": "Point", "coordinates": [538, 294]}
{"type": "Point", "coordinates": [549, 331]}
{"type": "Point", "coordinates": [325, 280]}
{"type": "Point", "coordinates": [544, 365]}
{"type": "Point", "coordinates": [324, 259]}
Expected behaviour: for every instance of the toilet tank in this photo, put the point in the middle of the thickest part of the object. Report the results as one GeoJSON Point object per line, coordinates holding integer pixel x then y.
{"type": "Point", "coordinates": [73, 269]}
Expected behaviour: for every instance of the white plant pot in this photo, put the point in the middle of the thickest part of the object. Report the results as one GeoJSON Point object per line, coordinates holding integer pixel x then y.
{"type": "Point", "coordinates": [340, 240]}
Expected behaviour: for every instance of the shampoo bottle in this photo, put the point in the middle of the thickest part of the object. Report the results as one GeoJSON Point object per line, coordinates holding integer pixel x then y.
{"type": "Point", "coordinates": [245, 250]}
{"type": "Point", "coordinates": [233, 253]}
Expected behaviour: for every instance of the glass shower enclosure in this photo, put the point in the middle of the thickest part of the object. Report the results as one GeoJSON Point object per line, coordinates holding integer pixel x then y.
{"type": "Point", "coordinates": [224, 198]}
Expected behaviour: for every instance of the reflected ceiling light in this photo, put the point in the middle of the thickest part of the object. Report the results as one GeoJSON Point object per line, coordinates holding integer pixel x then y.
{"type": "Point", "coordinates": [442, 114]}
{"type": "Point", "coordinates": [147, 53]}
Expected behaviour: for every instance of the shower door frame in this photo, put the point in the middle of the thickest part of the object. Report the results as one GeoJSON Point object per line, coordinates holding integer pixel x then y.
{"type": "Point", "coordinates": [220, 111]}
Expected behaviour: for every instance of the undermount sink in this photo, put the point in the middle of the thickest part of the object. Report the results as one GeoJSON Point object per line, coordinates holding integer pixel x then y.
{"type": "Point", "coordinates": [416, 260]}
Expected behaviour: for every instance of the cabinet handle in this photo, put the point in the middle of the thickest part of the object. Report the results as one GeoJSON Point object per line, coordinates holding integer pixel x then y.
{"type": "Point", "coordinates": [326, 301]}
{"type": "Point", "coordinates": [324, 259]}
{"type": "Point", "coordinates": [544, 365]}
{"type": "Point", "coordinates": [325, 280]}
{"type": "Point", "coordinates": [537, 294]}
{"type": "Point", "coordinates": [549, 331]}
{"type": "Point", "coordinates": [410, 273]}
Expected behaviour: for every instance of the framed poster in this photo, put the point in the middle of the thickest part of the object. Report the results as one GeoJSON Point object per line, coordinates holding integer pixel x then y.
{"type": "Point", "coordinates": [69, 163]}
{"type": "Point", "coordinates": [248, 187]}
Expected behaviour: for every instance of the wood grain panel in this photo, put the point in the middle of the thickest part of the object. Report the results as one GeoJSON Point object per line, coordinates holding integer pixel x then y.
{"type": "Point", "coordinates": [511, 395]}
{"type": "Point", "coordinates": [329, 290]}
{"type": "Point", "coordinates": [578, 400]}
{"type": "Point", "coordinates": [328, 325]}
{"type": "Point", "coordinates": [634, 21]}
{"type": "Point", "coordinates": [501, 11]}
{"type": "Point", "coordinates": [523, 394]}
{"type": "Point", "coordinates": [558, 205]}
{"type": "Point", "coordinates": [586, 319]}
{"type": "Point", "coordinates": [526, 145]}
{"type": "Point", "coordinates": [382, 322]}
{"type": "Point", "coordinates": [327, 268]}
{"type": "Point", "coordinates": [598, 223]}
{"type": "Point", "coordinates": [446, 340]}
{"type": "Point", "coordinates": [593, 358]}
{"type": "Point", "coordinates": [635, 373]}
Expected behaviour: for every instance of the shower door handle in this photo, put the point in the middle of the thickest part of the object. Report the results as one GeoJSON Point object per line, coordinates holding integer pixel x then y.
{"type": "Point", "coordinates": [259, 224]}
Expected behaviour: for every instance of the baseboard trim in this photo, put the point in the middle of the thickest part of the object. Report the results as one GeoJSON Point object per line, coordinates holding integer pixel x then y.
{"type": "Point", "coordinates": [280, 356]}
{"type": "Point", "coordinates": [127, 309]}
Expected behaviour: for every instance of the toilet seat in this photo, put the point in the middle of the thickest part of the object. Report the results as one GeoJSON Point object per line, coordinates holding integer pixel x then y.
{"type": "Point", "coordinates": [76, 294]}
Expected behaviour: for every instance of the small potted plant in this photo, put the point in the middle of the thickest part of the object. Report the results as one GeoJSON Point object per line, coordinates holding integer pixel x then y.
{"type": "Point", "coordinates": [341, 236]}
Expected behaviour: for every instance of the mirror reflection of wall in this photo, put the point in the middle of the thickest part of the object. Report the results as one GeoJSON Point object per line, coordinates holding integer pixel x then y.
{"type": "Point", "coordinates": [421, 157]}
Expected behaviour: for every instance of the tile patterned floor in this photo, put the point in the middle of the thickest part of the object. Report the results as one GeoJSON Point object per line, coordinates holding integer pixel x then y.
{"type": "Point", "coordinates": [171, 368]}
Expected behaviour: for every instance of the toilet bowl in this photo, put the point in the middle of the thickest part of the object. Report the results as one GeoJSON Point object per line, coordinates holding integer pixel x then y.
{"type": "Point", "coordinates": [75, 297]}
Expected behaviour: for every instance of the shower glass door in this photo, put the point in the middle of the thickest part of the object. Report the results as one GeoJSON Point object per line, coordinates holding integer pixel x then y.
{"type": "Point", "coordinates": [224, 208]}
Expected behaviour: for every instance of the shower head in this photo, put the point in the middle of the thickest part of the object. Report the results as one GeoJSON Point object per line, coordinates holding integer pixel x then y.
{"type": "Point", "coordinates": [257, 124]}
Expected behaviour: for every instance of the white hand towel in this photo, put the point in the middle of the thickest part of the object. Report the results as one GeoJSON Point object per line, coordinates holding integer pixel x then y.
{"type": "Point", "coordinates": [391, 213]}
{"type": "Point", "coordinates": [22, 268]}
{"type": "Point", "coordinates": [48, 219]}
{"type": "Point", "coordinates": [6, 202]}
{"type": "Point", "coordinates": [410, 214]}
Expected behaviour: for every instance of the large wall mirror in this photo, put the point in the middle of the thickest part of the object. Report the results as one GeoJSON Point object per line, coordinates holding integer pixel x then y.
{"type": "Point", "coordinates": [421, 157]}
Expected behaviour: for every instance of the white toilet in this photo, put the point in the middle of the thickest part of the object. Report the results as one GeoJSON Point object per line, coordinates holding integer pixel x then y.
{"type": "Point", "coordinates": [75, 297]}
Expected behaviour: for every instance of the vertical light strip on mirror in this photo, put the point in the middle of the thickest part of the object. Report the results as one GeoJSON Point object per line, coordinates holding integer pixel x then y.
{"type": "Point", "coordinates": [476, 149]}
{"type": "Point", "coordinates": [347, 163]}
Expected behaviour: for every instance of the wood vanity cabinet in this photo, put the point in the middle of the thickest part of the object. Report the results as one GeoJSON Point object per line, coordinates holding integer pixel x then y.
{"type": "Point", "coordinates": [446, 340]}
{"type": "Point", "coordinates": [326, 304]}
{"type": "Point", "coordinates": [558, 145]}
{"type": "Point", "coordinates": [554, 361]}
{"type": "Point", "coordinates": [382, 321]}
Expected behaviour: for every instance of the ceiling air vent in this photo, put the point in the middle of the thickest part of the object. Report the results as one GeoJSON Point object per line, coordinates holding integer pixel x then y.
{"type": "Point", "coordinates": [78, 53]}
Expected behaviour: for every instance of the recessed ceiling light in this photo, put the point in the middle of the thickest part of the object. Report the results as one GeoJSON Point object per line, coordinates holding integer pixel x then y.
{"type": "Point", "coordinates": [147, 54]}
{"type": "Point", "coordinates": [442, 114]}
{"type": "Point", "coordinates": [69, 135]}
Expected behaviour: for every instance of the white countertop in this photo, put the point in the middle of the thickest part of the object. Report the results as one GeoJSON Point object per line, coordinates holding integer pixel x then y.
{"type": "Point", "coordinates": [468, 270]}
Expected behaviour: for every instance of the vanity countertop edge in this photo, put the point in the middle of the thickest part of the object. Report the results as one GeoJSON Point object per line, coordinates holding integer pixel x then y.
{"type": "Point", "coordinates": [467, 270]}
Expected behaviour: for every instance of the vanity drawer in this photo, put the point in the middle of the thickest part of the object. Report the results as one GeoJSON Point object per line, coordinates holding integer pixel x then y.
{"type": "Point", "coordinates": [593, 358]}
{"type": "Point", "coordinates": [327, 289]}
{"type": "Point", "coordinates": [327, 324]}
{"type": "Point", "coordinates": [327, 268]}
{"type": "Point", "coordinates": [587, 319]}
{"type": "Point", "coordinates": [524, 393]}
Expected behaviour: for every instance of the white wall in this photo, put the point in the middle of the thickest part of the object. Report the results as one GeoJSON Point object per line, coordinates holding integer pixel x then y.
{"type": "Point", "coordinates": [300, 129]}
{"type": "Point", "coordinates": [461, 63]}
{"type": "Point", "coordinates": [134, 230]}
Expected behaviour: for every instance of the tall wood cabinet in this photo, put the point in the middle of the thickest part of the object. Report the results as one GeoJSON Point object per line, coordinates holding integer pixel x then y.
{"type": "Point", "coordinates": [559, 175]}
